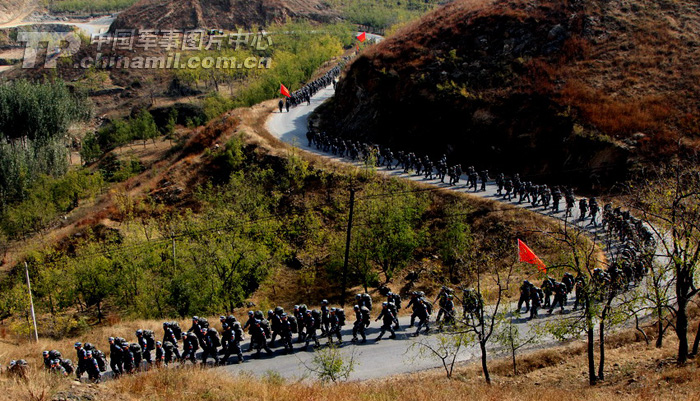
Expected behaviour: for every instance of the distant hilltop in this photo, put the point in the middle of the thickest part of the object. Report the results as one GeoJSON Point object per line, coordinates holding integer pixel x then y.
{"type": "Point", "coordinates": [219, 14]}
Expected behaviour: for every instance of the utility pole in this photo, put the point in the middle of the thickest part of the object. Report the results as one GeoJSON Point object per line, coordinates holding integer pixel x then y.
{"type": "Point", "coordinates": [31, 301]}
{"type": "Point", "coordinates": [173, 237]}
{"type": "Point", "coordinates": [347, 248]}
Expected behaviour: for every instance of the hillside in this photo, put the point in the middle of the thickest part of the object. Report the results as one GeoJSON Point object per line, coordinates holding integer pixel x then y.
{"type": "Point", "coordinates": [218, 14]}
{"type": "Point", "coordinates": [11, 10]}
{"type": "Point", "coordinates": [576, 92]}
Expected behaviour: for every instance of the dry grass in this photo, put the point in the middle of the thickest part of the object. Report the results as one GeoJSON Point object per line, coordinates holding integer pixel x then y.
{"type": "Point", "coordinates": [622, 117]}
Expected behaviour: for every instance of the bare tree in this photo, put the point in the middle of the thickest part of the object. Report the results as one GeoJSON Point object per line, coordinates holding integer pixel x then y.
{"type": "Point", "coordinates": [669, 202]}
{"type": "Point", "coordinates": [510, 336]}
{"type": "Point", "coordinates": [444, 346]}
{"type": "Point", "coordinates": [483, 324]}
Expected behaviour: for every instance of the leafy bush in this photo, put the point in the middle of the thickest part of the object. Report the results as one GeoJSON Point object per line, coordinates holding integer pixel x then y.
{"type": "Point", "coordinates": [120, 132]}
{"type": "Point", "coordinates": [48, 198]}
{"type": "Point", "coordinates": [115, 170]}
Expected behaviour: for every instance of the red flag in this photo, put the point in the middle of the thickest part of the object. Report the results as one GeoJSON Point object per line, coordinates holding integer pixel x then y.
{"type": "Point", "coordinates": [361, 37]}
{"type": "Point", "coordinates": [527, 256]}
{"type": "Point", "coordinates": [284, 90]}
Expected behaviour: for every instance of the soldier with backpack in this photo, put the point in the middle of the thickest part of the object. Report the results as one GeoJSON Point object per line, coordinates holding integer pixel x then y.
{"type": "Point", "coordinates": [559, 297]}
{"type": "Point", "coordinates": [422, 311]}
{"type": "Point", "coordinates": [190, 345]}
{"type": "Point", "coordinates": [311, 322]}
{"type": "Point", "coordinates": [415, 296]}
{"type": "Point", "coordinates": [547, 289]}
{"type": "Point", "coordinates": [234, 335]}
{"type": "Point", "coordinates": [525, 295]}
{"type": "Point", "coordinates": [56, 368]}
{"type": "Point", "coordinates": [286, 334]}
{"type": "Point", "coordinates": [336, 320]}
{"type": "Point", "coordinates": [258, 338]}
{"type": "Point", "coordinates": [359, 325]}
{"type": "Point", "coordinates": [127, 358]}
{"type": "Point", "coordinates": [160, 354]}
{"type": "Point", "coordinates": [449, 309]}
{"type": "Point", "coordinates": [92, 368]}
{"type": "Point", "coordinates": [115, 356]}
{"type": "Point", "coordinates": [146, 340]}
{"type": "Point", "coordinates": [366, 301]}
{"type": "Point", "coordinates": [325, 317]}
{"type": "Point", "coordinates": [387, 321]}
{"type": "Point", "coordinates": [137, 352]}
{"type": "Point", "coordinates": [275, 322]}
{"type": "Point", "coordinates": [211, 345]}
{"type": "Point", "coordinates": [441, 298]}
{"type": "Point", "coordinates": [82, 360]}
{"type": "Point", "coordinates": [168, 349]}
{"type": "Point", "coordinates": [196, 328]}
{"type": "Point", "coordinates": [169, 337]}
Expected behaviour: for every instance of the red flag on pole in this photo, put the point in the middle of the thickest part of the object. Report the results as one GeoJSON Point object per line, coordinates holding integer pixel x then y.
{"type": "Point", "coordinates": [284, 90]}
{"type": "Point", "coordinates": [527, 256]}
{"type": "Point", "coordinates": [361, 37]}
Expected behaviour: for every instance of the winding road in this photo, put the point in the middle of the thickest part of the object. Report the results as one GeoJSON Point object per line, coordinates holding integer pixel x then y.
{"type": "Point", "coordinates": [388, 357]}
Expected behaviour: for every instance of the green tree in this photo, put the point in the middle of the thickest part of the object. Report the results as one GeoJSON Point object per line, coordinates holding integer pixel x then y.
{"type": "Point", "coordinates": [388, 232]}
{"type": "Point", "coordinates": [90, 149]}
{"type": "Point", "coordinates": [143, 127]}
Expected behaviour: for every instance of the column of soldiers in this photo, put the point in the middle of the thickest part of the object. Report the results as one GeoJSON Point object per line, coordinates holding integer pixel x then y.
{"type": "Point", "coordinates": [129, 357]}
{"type": "Point", "coordinates": [508, 188]}
{"type": "Point", "coordinates": [307, 91]}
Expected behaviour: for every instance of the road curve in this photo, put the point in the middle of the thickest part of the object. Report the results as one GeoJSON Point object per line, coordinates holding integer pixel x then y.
{"type": "Point", "coordinates": [388, 357]}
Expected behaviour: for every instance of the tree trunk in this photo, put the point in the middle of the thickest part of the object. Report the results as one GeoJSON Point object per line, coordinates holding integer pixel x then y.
{"type": "Point", "coordinates": [696, 343]}
{"type": "Point", "coordinates": [601, 363]}
{"type": "Point", "coordinates": [591, 361]}
{"type": "Point", "coordinates": [484, 365]}
{"type": "Point", "coordinates": [682, 330]}
{"type": "Point", "coordinates": [99, 312]}
{"type": "Point", "coordinates": [660, 334]}
{"type": "Point", "coordinates": [515, 366]}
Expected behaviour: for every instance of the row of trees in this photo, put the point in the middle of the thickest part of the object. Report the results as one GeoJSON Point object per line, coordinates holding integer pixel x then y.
{"type": "Point", "coordinates": [34, 120]}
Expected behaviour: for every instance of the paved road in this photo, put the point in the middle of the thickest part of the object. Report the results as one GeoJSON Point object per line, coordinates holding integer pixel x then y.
{"type": "Point", "coordinates": [389, 356]}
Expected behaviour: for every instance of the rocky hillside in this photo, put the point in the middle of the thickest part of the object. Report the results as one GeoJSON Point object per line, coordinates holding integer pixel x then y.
{"type": "Point", "coordinates": [569, 91]}
{"type": "Point", "coordinates": [219, 14]}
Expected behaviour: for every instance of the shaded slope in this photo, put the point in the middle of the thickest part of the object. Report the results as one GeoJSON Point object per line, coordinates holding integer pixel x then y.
{"type": "Point", "coordinates": [575, 92]}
